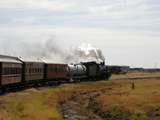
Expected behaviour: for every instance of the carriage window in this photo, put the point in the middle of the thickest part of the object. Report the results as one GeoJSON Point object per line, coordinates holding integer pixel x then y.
{"type": "Point", "coordinates": [17, 71]}
{"type": "Point", "coordinates": [8, 71]}
{"type": "Point", "coordinates": [40, 70]}
{"type": "Point", "coordinates": [58, 69]}
{"type": "Point", "coordinates": [29, 70]}
{"type": "Point", "coordinates": [13, 70]}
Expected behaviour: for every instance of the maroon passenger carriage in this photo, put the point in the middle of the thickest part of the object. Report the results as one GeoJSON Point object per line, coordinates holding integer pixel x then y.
{"type": "Point", "coordinates": [33, 72]}
{"type": "Point", "coordinates": [55, 72]}
{"type": "Point", "coordinates": [10, 72]}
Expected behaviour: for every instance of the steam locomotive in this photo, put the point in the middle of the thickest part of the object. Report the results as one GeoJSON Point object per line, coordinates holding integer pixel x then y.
{"type": "Point", "coordinates": [88, 71]}
{"type": "Point", "coordinates": [18, 73]}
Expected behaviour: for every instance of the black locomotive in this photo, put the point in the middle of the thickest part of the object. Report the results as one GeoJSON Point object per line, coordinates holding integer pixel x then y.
{"type": "Point", "coordinates": [88, 71]}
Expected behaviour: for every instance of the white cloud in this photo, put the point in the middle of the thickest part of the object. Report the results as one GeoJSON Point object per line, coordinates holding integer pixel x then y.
{"type": "Point", "coordinates": [35, 4]}
{"type": "Point", "coordinates": [124, 29]}
{"type": "Point", "coordinates": [115, 13]}
{"type": "Point", "coordinates": [97, 36]}
{"type": "Point", "coordinates": [119, 47]}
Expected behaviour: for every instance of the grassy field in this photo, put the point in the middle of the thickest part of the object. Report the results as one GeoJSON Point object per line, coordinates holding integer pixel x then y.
{"type": "Point", "coordinates": [137, 75]}
{"type": "Point", "coordinates": [116, 99]}
{"type": "Point", "coordinates": [142, 103]}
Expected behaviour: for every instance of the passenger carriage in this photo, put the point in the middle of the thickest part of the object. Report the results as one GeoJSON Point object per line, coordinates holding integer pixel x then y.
{"type": "Point", "coordinates": [56, 72]}
{"type": "Point", "coordinates": [10, 71]}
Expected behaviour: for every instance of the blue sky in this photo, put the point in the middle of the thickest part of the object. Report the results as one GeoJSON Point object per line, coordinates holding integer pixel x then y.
{"type": "Point", "coordinates": [127, 31]}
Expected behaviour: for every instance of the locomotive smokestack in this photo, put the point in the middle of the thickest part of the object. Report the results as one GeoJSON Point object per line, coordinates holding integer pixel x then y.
{"type": "Point", "coordinates": [103, 63]}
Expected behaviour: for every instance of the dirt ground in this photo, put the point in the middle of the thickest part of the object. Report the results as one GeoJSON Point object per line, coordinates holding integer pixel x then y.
{"type": "Point", "coordinates": [121, 98]}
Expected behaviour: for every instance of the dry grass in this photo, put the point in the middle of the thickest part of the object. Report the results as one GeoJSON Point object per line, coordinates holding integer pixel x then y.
{"type": "Point", "coordinates": [44, 104]}
{"type": "Point", "coordinates": [37, 104]}
{"type": "Point", "coordinates": [145, 98]}
{"type": "Point", "coordinates": [27, 105]}
{"type": "Point", "coordinates": [145, 94]}
{"type": "Point", "coordinates": [136, 74]}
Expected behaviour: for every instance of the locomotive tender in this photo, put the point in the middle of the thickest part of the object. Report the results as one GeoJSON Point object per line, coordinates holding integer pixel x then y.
{"type": "Point", "coordinates": [15, 73]}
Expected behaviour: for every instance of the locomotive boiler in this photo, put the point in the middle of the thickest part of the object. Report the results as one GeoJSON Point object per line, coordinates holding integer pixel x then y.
{"type": "Point", "coordinates": [88, 71]}
{"type": "Point", "coordinates": [77, 71]}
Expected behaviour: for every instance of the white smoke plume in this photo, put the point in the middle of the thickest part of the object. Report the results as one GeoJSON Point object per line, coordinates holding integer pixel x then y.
{"type": "Point", "coordinates": [44, 50]}
{"type": "Point", "coordinates": [85, 53]}
{"type": "Point", "coordinates": [50, 51]}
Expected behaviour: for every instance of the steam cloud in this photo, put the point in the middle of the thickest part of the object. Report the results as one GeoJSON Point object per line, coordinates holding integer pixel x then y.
{"type": "Point", "coordinates": [85, 53]}
{"type": "Point", "coordinates": [51, 51]}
